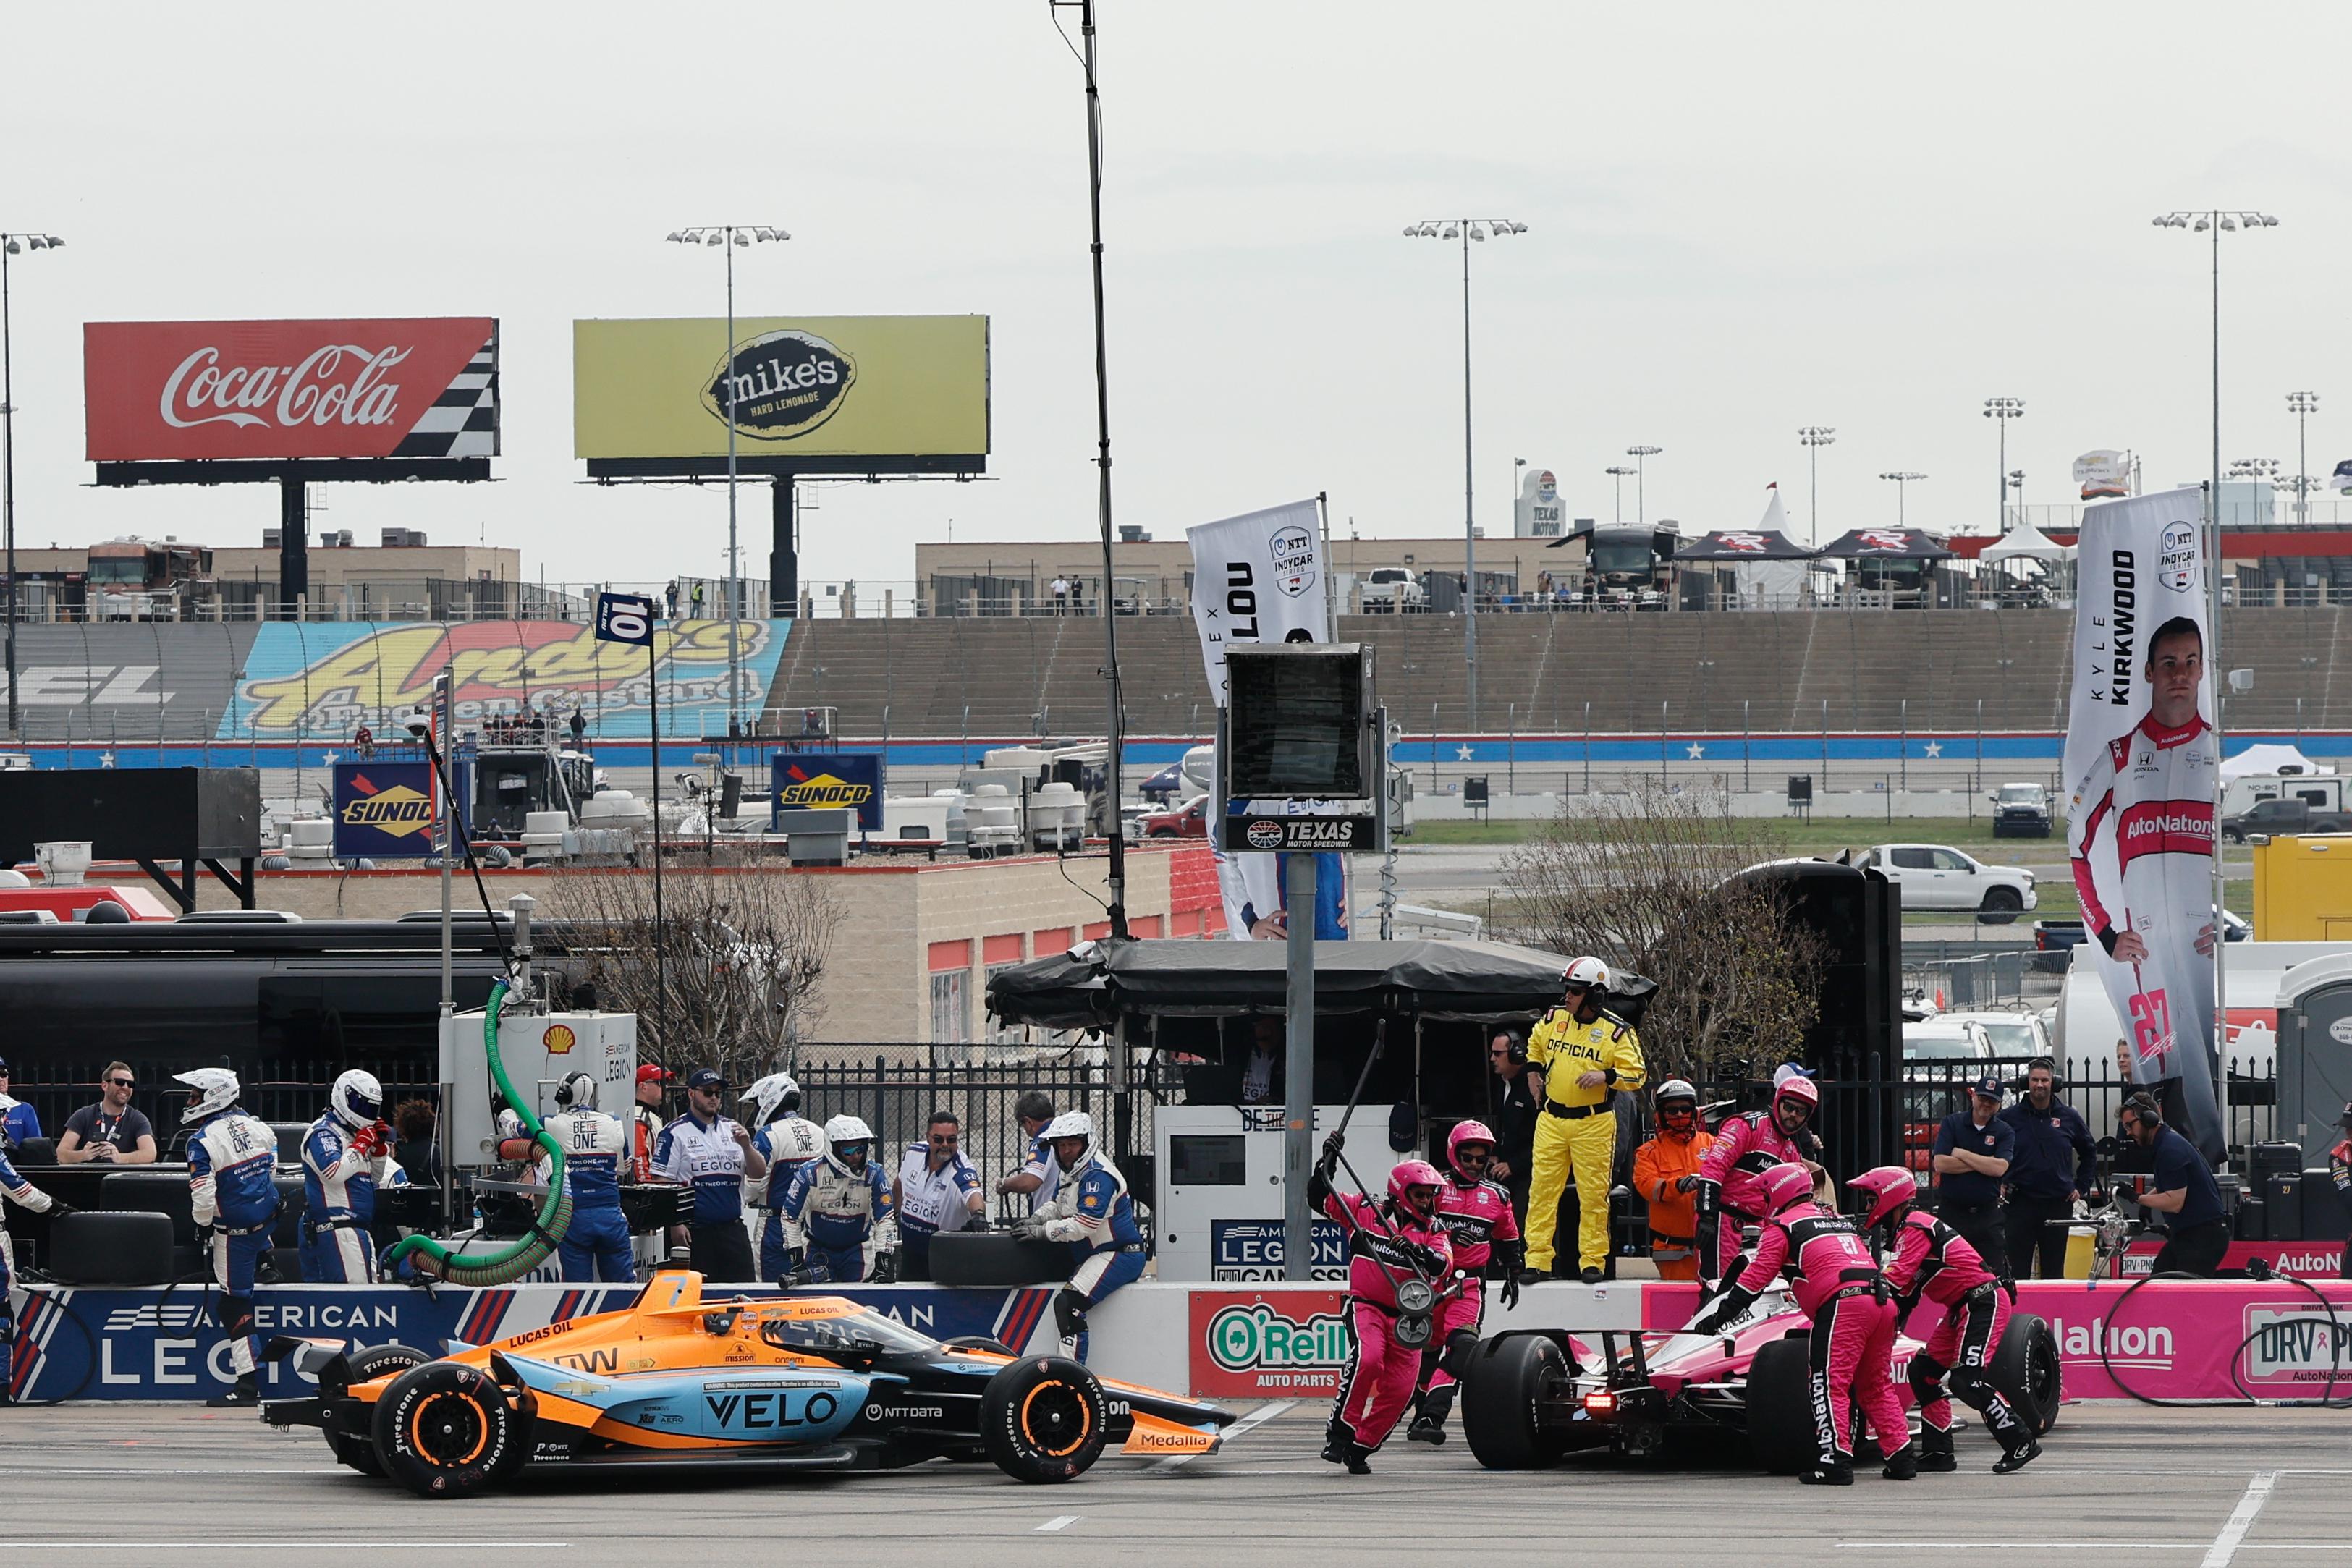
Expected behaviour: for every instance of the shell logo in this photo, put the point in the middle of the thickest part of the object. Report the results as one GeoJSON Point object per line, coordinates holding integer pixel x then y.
{"type": "Point", "coordinates": [559, 1039]}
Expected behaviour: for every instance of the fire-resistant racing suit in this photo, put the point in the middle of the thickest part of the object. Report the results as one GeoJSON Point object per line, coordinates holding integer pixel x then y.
{"type": "Point", "coordinates": [2154, 787]}
{"type": "Point", "coordinates": [787, 1143]}
{"type": "Point", "coordinates": [837, 1210]}
{"type": "Point", "coordinates": [24, 1194]}
{"type": "Point", "coordinates": [2339, 1171]}
{"type": "Point", "coordinates": [1934, 1261]}
{"type": "Point", "coordinates": [1092, 1211]}
{"type": "Point", "coordinates": [1478, 1224]}
{"type": "Point", "coordinates": [595, 1151]}
{"type": "Point", "coordinates": [341, 1167]}
{"type": "Point", "coordinates": [1836, 1283]}
{"type": "Point", "coordinates": [1730, 1190]}
{"type": "Point", "coordinates": [231, 1160]}
{"type": "Point", "coordinates": [1576, 1128]}
{"type": "Point", "coordinates": [1388, 1244]}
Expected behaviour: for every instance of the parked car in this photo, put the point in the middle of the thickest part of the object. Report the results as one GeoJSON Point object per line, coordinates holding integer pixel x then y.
{"type": "Point", "coordinates": [1393, 589]}
{"type": "Point", "coordinates": [1935, 876]}
{"type": "Point", "coordinates": [1941, 1057]}
{"type": "Point", "coordinates": [2277, 819]}
{"type": "Point", "coordinates": [2021, 811]}
{"type": "Point", "coordinates": [2054, 942]}
{"type": "Point", "coordinates": [2018, 1035]}
{"type": "Point", "coordinates": [1189, 821]}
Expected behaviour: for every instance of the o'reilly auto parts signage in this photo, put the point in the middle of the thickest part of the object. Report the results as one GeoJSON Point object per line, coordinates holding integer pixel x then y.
{"type": "Point", "coordinates": [166, 391]}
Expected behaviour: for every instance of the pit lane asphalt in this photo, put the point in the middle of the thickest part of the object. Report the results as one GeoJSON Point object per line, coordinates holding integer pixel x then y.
{"type": "Point", "coordinates": [2116, 1485]}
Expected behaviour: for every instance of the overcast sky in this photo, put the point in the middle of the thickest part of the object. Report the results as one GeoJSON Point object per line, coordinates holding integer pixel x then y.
{"type": "Point", "coordinates": [1740, 219]}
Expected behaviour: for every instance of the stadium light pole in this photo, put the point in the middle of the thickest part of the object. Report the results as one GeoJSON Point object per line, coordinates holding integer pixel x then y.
{"type": "Point", "coordinates": [1466, 230]}
{"type": "Point", "coordinates": [12, 245]}
{"type": "Point", "coordinates": [2303, 404]}
{"type": "Point", "coordinates": [2260, 470]}
{"type": "Point", "coordinates": [1903, 478]}
{"type": "Point", "coordinates": [728, 237]}
{"type": "Point", "coordinates": [1618, 472]}
{"type": "Point", "coordinates": [1640, 456]}
{"type": "Point", "coordinates": [1815, 437]}
{"type": "Point", "coordinates": [2001, 411]}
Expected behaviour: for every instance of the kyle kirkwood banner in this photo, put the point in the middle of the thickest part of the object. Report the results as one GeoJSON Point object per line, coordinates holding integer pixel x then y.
{"type": "Point", "coordinates": [2144, 762]}
{"type": "Point", "coordinates": [1259, 578]}
{"type": "Point", "coordinates": [155, 391]}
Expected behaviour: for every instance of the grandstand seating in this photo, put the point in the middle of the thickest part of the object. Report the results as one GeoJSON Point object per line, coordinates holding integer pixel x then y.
{"type": "Point", "coordinates": [1774, 672]}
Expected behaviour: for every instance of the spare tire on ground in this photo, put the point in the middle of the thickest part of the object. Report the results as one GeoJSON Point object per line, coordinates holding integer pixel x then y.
{"type": "Point", "coordinates": [2027, 1370]}
{"type": "Point", "coordinates": [151, 1192]}
{"type": "Point", "coordinates": [98, 1246]}
{"type": "Point", "coordinates": [995, 1257]}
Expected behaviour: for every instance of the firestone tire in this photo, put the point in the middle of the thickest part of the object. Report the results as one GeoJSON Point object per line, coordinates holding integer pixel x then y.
{"type": "Point", "coordinates": [2028, 1371]}
{"type": "Point", "coordinates": [1510, 1379]}
{"type": "Point", "coordinates": [1043, 1419]}
{"type": "Point", "coordinates": [357, 1449]}
{"type": "Point", "coordinates": [444, 1429]}
{"type": "Point", "coordinates": [1780, 1406]}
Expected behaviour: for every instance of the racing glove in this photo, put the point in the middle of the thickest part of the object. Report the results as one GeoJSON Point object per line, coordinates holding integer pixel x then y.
{"type": "Point", "coordinates": [1329, 1164]}
{"type": "Point", "coordinates": [795, 1259]}
{"type": "Point", "coordinates": [1030, 1227]}
{"type": "Point", "coordinates": [1720, 1311]}
{"type": "Point", "coordinates": [1509, 1295]}
{"type": "Point", "coordinates": [886, 1268]}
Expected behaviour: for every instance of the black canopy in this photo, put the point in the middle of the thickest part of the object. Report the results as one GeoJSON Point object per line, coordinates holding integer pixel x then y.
{"type": "Point", "coordinates": [1744, 544]}
{"type": "Point", "coordinates": [1092, 983]}
{"type": "Point", "coordinates": [1900, 544]}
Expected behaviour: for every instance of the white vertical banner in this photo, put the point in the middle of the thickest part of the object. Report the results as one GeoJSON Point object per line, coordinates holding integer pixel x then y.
{"type": "Point", "coordinates": [2144, 762]}
{"type": "Point", "coordinates": [1258, 578]}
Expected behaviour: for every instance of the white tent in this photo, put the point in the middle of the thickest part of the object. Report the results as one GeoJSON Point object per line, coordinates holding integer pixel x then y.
{"type": "Point", "coordinates": [1771, 584]}
{"type": "Point", "coordinates": [2266, 759]}
{"type": "Point", "coordinates": [2027, 542]}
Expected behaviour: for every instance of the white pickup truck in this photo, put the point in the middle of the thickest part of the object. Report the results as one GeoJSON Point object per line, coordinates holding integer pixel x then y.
{"type": "Point", "coordinates": [1936, 876]}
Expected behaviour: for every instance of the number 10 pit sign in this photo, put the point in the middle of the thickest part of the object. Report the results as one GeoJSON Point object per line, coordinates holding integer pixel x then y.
{"type": "Point", "coordinates": [625, 618]}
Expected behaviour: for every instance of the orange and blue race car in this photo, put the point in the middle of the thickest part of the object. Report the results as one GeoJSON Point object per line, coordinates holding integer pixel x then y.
{"type": "Point", "coordinates": [814, 1383]}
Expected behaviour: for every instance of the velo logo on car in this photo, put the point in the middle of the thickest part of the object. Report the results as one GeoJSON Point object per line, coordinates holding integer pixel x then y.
{"type": "Point", "coordinates": [779, 384]}
{"type": "Point", "coordinates": [383, 808]}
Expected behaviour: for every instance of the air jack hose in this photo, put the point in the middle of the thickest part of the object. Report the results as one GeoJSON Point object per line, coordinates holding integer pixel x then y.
{"type": "Point", "coordinates": [512, 1262]}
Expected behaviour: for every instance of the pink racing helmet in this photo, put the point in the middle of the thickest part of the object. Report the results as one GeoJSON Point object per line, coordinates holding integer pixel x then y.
{"type": "Point", "coordinates": [1411, 1174]}
{"type": "Point", "coordinates": [1786, 1184]}
{"type": "Point", "coordinates": [1891, 1187]}
{"type": "Point", "coordinates": [1466, 1133]}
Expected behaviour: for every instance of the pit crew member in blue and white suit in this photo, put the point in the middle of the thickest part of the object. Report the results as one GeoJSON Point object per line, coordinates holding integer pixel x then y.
{"type": "Point", "coordinates": [712, 1154]}
{"type": "Point", "coordinates": [231, 1160]}
{"type": "Point", "coordinates": [840, 1201]}
{"type": "Point", "coordinates": [789, 1141]}
{"type": "Point", "coordinates": [1093, 1213]}
{"type": "Point", "coordinates": [936, 1189]}
{"type": "Point", "coordinates": [24, 1192]}
{"type": "Point", "coordinates": [595, 1149]}
{"type": "Point", "coordinates": [344, 1158]}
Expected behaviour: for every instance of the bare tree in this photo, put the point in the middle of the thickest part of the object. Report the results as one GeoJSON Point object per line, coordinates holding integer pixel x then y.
{"type": "Point", "coordinates": [1641, 880]}
{"type": "Point", "coordinates": [742, 948]}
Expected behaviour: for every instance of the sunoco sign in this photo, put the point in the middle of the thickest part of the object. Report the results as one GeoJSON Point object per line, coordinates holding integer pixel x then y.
{"type": "Point", "coordinates": [382, 810]}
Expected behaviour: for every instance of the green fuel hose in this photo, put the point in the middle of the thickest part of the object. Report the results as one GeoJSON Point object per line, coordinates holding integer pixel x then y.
{"type": "Point", "coordinates": [511, 1263]}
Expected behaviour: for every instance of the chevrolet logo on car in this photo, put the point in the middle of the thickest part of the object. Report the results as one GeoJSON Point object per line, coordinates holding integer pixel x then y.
{"type": "Point", "coordinates": [824, 790]}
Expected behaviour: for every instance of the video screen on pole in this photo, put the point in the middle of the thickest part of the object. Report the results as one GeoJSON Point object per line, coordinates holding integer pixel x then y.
{"type": "Point", "coordinates": [1296, 725]}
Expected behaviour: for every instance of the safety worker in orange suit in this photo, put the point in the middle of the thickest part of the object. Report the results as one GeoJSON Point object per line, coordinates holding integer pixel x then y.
{"type": "Point", "coordinates": [1586, 1054]}
{"type": "Point", "coordinates": [1666, 1173]}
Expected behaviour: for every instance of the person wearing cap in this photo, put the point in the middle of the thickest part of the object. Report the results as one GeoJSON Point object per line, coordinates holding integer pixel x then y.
{"type": "Point", "coordinates": [2339, 1171]}
{"type": "Point", "coordinates": [647, 1118]}
{"type": "Point", "coordinates": [1666, 1173]}
{"type": "Point", "coordinates": [712, 1154]}
{"type": "Point", "coordinates": [1586, 1054]}
{"type": "Point", "coordinates": [2057, 1162]}
{"type": "Point", "coordinates": [1973, 1151]}
{"type": "Point", "coordinates": [18, 1120]}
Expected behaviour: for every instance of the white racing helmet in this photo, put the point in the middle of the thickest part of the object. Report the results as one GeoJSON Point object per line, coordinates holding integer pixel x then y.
{"type": "Point", "coordinates": [775, 1091]}
{"type": "Point", "coordinates": [357, 1099]}
{"type": "Point", "coordinates": [844, 1130]}
{"type": "Point", "coordinates": [211, 1090]}
{"type": "Point", "coordinates": [1587, 972]}
{"type": "Point", "coordinates": [577, 1091]}
{"type": "Point", "coordinates": [1071, 1124]}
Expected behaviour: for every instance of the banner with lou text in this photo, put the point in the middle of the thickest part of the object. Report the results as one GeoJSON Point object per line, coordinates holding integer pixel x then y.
{"type": "Point", "coordinates": [2144, 763]}
{"type": "Point", "coordinates": [1262, 578]}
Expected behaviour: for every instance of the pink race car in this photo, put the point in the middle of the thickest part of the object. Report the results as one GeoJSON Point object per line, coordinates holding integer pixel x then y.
{"type": "Point", "coordinates": [1534, 1397]}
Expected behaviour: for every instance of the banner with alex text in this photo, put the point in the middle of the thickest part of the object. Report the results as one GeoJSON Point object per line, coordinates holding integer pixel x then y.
{"type": "Point", "coordinates": [2143, 761]}
{"type": "Point", "coordinates": [324, 680]}
{"type": "Point", "coordinates": [1260, 578]}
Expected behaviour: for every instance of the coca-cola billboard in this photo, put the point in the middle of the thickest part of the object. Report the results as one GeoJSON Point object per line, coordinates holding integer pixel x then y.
{"type": "Point", "coordinates": [418, 388]}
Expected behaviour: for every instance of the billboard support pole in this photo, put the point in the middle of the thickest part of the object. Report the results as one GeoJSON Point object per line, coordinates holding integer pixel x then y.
{"type": "Point", "coordinates": [734, 558]}
{"type": "Point", "coordinates": [1110, 603]}
{"type": "Point", "coordinates": [661, 930]}
{"type": "Point", "coordinates": [783, 550]}
{"type": "Point", "coordinates": [293, 541]}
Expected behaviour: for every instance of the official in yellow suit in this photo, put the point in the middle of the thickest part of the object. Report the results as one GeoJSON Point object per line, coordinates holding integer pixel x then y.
{"type": "Point", "coordinates": [1586, 1056]}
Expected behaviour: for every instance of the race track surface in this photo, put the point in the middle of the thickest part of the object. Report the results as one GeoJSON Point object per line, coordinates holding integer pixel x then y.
{"type": "Point", "coordinates": [2115, 1486]}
